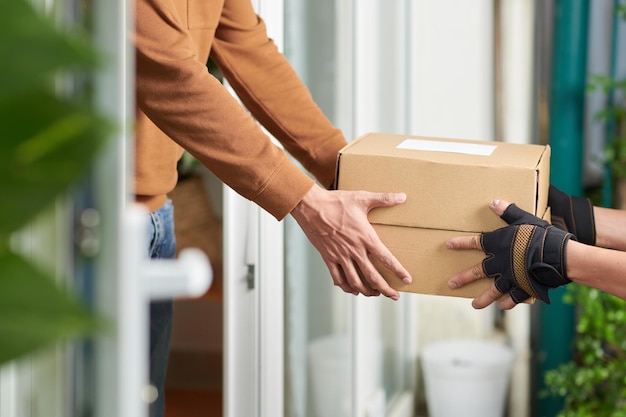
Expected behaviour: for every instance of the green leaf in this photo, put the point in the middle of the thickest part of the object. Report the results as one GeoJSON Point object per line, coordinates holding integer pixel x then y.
{"type": "Point", "coordinates": [34, 311]}
{"type": "Point", "coordinates": [47, 143]}
{"type": "Point", "coordinates": [34, 49]}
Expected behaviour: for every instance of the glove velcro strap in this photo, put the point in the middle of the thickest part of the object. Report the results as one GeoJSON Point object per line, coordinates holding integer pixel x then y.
{"type": "Point", "coordinates": [573, 214]}
{"type": "Point", "coordinates": [554, 256]}
{"type": "Point", "coordinates": [584, 229]}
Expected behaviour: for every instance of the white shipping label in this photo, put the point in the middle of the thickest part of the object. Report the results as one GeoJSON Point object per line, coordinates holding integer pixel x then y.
{"type": "Point", "coordinates": [453, 147]}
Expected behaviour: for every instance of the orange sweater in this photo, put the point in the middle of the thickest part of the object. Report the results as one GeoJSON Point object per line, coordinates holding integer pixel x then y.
{"type": "Point", "coordinates": [181, 105]}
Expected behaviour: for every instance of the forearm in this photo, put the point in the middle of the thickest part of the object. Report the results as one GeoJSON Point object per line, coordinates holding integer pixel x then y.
{"type": "Point", "coordinates": [604, 269]}
{"type": "Point", "coordinates": [269, 87]}
{"type": "Point", "coordinates": [177, 93]}
{"type": "Point", "coordinates": [610, 228]}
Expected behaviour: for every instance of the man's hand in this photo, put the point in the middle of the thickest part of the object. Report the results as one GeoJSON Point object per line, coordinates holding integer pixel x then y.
{"type": "Point", "coordinates": [525, 259]}
{"type": "Point", "coordinates": [336, 224]}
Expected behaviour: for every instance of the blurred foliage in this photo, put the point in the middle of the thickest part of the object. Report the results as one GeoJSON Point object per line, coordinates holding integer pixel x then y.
{"type": "Point", "coordinates": [49, 137]}
{"type": "Point", "coordinates": [188, 166]}
{"type": "Point", "coordinates": [594, 382]}
{"type": "Point", "coordinates": [614, 114]}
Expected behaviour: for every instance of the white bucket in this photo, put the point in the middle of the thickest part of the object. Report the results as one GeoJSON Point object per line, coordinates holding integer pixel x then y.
{"type": "Point", "coordinates": [468, 378]}
{"type": "Point", "coordinates": [329, 368]}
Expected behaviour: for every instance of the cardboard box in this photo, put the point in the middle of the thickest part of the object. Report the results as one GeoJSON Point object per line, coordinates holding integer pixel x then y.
{"type": "Point", "coordinates": [449, 184]}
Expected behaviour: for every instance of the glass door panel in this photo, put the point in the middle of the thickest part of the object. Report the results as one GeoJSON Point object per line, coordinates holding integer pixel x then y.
{"type": "Point", "coordinates": [351, 55]}
{"type": "Point", "coordinates": [318, 339]}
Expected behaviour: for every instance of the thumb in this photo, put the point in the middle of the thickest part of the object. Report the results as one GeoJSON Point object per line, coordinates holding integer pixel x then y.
{"type": "Point", "coordinates": [386, 199]}
{"type": "Point", "coordinates": [515, 215]}
{"type": "Point", "coordinates": [499, 206]}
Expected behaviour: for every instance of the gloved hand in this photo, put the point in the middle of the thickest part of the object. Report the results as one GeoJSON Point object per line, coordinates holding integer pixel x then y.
{"type": "Point", "coordinates": [573, 214]}
{"type": "Point", "coordinates": [526, 258]}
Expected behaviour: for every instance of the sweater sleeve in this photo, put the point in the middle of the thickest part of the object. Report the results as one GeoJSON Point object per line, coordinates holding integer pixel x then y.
{"type": "Point", "coordinates": [269, 87]}
{"type": "Point", "coordinates": [175, 90]}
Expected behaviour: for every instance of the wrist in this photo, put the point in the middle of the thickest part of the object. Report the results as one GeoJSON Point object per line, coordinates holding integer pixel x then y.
{"type": "Point", "coordinates": [574, 252]}
{"type": "Point", "coordinates": [307, 204]}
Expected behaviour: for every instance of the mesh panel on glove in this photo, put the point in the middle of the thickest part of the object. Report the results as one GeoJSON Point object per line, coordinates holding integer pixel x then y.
{"type": "Point", "coordinates": [526, 258]}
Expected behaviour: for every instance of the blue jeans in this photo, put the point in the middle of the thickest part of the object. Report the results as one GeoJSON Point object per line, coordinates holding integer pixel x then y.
{"type": "Point", "coordinates": [162, 245]}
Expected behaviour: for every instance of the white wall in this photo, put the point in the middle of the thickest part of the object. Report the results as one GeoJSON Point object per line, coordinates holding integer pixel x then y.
{"type": "Point", "coordinates": [451, 70]}
{"type": "Point", "coordinates": [453, 89]}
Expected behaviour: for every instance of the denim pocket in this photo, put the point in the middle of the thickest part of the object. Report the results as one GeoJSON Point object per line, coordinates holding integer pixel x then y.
{"type": "Point", "coordinates": [161, 233]}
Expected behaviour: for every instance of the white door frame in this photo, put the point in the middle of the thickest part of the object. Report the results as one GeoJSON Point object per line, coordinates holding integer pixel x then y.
{"type": "Point", "coordinates": [253, 292]}
{"type": "Point", "coordinates": [127, 280]}
{"type": "Point", "coordinates": [113, 96]}
{"type": "Point", "coordinates": [254, 322]}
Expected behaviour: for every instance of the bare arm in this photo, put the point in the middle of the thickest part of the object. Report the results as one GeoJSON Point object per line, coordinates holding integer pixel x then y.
{"type": "Point", "coordinates": [592, 225]}
{"type": "Point", "coordinates": [593, 266]}
{"type": "Point", "coordinates": [610, 228]}
{"type": "Point", "coordinates": [604, 269]}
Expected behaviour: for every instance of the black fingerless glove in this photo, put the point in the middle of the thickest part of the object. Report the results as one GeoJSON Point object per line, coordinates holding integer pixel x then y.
{"type": "Point", "coordinates": [573, 214]}
{"type": "Point", "coordinates": [526, 258]}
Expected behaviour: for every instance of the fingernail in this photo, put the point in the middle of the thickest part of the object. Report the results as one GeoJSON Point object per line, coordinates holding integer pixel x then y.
{"type": "Point", "coordinates": [452, 284]}
{"type": "Point", "coordinates": [449, 245]}
{"type": "Point", "coordinates": [406, 280]}
{"type": "Point", "coordinates": [401, 197]}
{"type": "Point", "coordinates": [494, 203]}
